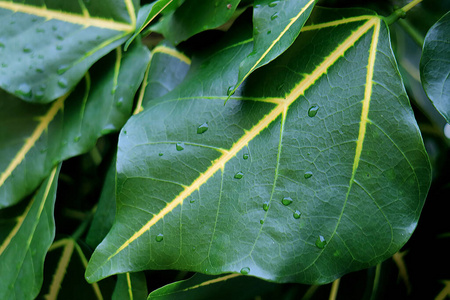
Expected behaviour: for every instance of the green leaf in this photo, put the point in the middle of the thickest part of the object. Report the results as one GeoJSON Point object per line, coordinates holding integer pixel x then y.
{"type": "Point", "coordinates": [435, 65]}
{"type": "Point", "coordinates": [64, 267]}
{"type": "Point", "coordinates": [34, 138]}
{"type": "Point", "coordinates": [145, 15]}
{"type": "Point", "coordinates": [276, 25]}
{"type": "Point", "coordinates": [25, 241]}
{"type": "Point", "coordinates": [229, 286]}
{"type": "Point", "coordinates": [329, 128]}
{"type": "Point", "coordinates": [194, 16]}
{"type": "Point", "coordinates": [46, 49]}
{"type": "Point", "coordinates": [130, 286]}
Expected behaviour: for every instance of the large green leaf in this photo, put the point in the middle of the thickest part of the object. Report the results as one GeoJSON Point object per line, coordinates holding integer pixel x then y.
{"type": "Point", "coordinates": [25, 241]}
{"type": "Point", "coordinates": [34, 138]}
{"type": "Point", "coordinates": [198, 287]}
{"type": "Point", "coordinates": [435, 65]}
{"type": "Point", "coordinates": [130, 286]}
{"type": "Point", "coordinates": [194, 16]}
{"type": "Point", "coordinates": [276, 25]}
{"type": "Point", "coordinates": [46, 47]}
{"type": "Point", "coordinates": [313, 169]}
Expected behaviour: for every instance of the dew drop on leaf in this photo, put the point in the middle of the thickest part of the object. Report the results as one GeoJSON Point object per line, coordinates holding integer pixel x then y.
{"type": "Point", "coordinates": [308, 174]}
{"type": "Point", "coordinates": [159, 237]}
{"type": "Point", "coordinates": [274, 16]}
{"type": "Point", "coordinates": [261, 221]}
{"type": "Point", "coordinates": [238, 175]}
{"type": "Point", "coordinates": [245, 270]}
{"type": "Point", "coordinates": [160, 154]}
{"type": "Point", "coordinates": [119, 102]}
{"type": "Point", "coordinates": [62, 69]}
{"type": "Point", "coordinates": [27, 48]}
{"type": "Point", "coordinates": [273, 3]}
{"type": "Point", "coordinates": [4, 65]}
{"type": "Point", "coordinates": [59, 47]}
{"type": "Point", "coordinates": [297, 214]}
{"type": "Point", "coordinates": [269, 32]}
{"type": "Point", "coordinates": [286, 201]}
{"type": "Point", "coordinates": [202, 128]}
{"type": "Point", "coordinates": [23, 90]}
{"type": "Point", "coordinates": [62, 82]}
{"type": "Point", "coordinates": [312, 111]}
{"type": "Point", "coordinates": [180, 146]}
{"type": "Point", "coordinates": [245, 156]}
{"type": "Point", "coordinates": [266, 206]}
{"type": "Point", "coordinates": [192, 201]}
{"type": "Point", "coordinates": [77, 138]}
{"type": "Point", "coordinates": [320, 242]}
{"type": "Point", "coordinates": [230, 90]}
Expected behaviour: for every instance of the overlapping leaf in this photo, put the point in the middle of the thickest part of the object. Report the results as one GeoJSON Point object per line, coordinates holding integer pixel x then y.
{"type": "Point", "coordinates": [435, 65]}
{"type": "Point", "coordinates": [229, 286]}
{"type": "Point", "coordinates": [194, 16]}
{"type": "Point", "coordinates": [314, 168]}
{"type": "Point", "coordinates": [47, 47]}
{"type": "Point", "coordinates": [34, 138]}
{"type": "Point", "coordinates": [130, 286]}
{"type": "Point", "coordinates": [25, 241]}
{"type": "Point", "coordinates": [63, 278]}
{"type": "Point", "coordinates": [276, 25]}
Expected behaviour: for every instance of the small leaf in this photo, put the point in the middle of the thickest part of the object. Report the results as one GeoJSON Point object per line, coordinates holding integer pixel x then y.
{"type": "Point", "coordinates": [181, 24]}
{"type": "Point", "coordinates": [145, 15]}
{"type": "Point", "coordinates": [26, 242]}
{"type": "Point", "coordinates": [276, 25]}
{"type": "Point", "coordinates": [130, 286]}
{"type": "Point", "coordinates": [362, 147]}
{"type": "Point", "coordinates": [435, 65]}
{"type": "Point", "coordinates": [34, 138]}
{"type": "Point", "coordinates": [46, 51]}
{"type": "Point", "coordinates": [228, 286]}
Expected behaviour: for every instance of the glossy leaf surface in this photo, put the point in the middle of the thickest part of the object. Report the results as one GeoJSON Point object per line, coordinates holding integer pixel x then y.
{"type": "Point", "coordinates": [314, 168]}
{"type": "Point", "coordinates": [46, 48]}
{"type": "Point", "coordinates": [194, 16]}
{"type": "Point", "coordinates": [435, 65]}
{"type": "Point", "coordinates": [34, 138]}
{"type": "Point", "coordinates": [276, 25]}
{"type": "Point", "coordinates": [25, 241]}
{"type": "Point", "coordinates": [228, 286]}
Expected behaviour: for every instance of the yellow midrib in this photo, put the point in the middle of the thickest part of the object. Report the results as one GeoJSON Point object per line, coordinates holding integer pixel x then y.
{"type": "Point", "coordinates": [219, 163]}
{"type": "Point", "coordinates": [44, 121]}
{"type": "Point", "coordinates": [49, 14]}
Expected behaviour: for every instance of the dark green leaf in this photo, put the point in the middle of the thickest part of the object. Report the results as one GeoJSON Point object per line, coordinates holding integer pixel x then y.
{"type": "Point", "coordinates": [45, 49]}
{"type": "Point", "coordinates": [435, 65]}
{"type": "Point", "coordinates": [34, 138]}
{"type": "Point", "coordinates": [229, 286]}
{"type": "Point", "coordinates": [130, 286]}
{"type": "Point", "coordinates": [276, 25]}
{"type": "Point", "coordinates": [327, 124]}
{"type": "Point", "coordinates": [195, 16]}
{"type": "Point", "coordinates": [25, 241]}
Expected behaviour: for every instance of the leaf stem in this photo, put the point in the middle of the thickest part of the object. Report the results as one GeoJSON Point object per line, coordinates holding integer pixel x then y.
{"type": "Point", "coordinates": [401, 12]}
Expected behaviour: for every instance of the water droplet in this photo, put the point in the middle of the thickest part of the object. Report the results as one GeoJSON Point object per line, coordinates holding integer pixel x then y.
{"type": "Point", "coordinates": [119, 102]}
{"type": "Point", "coordinates": [62, 82]}
{"type": "Point", "coordinates": [60, 37]}
{"type": "Point", "coordinates": [4, 65]}
{"type": "Point", "coordinates": [159, 237]}
{"type": "Point", "coordinates": [40, 69]}
{"type": "Point", "coordinates": [308, 174]}
{"type": "Point", "coordinates": [320, 242]}
{"type": "Point", "coordinates": [23, 90]}
{"type": "Point", "coordinates": [27, 48]}
{"type": "Point", "coordinates": [160, 154]}
{"type": "Point", "coordinates": [62, 69]}
{"type": "Point", "coordinates": [202, 128]}
{"type": "Point", "coordinates": [59, 47]}
{"type": "Point", "coordinates": [40, 29]}
{"type": "Point", "coordinates": [273, 3]}
{"type": "Point", "coordinates": [124, 132]}
{"type": "Point", "coordinates": [286, 201]}
{"type": "Point", "coordinates": [266, 206]}
{"type": "Point", "coordinates": [269, 32]}
{"type": "Point", "coordinates": [245, 156]}
{"type": "Point", "coordinates": [312, 111]}
{"type": "Point", "coordinates": [192, 201]}
{"type": "Point", "coordinates": [274, 16]}
{"type": "Point", "coordinates": [238, 175]}
{"type": "Point", "coordinates": [297, 214]}
{"type": "Point", "coordinates": [261, 221]}
{"type": "Point", "coordinates": [180, 146]}
{"type": "Point", "coordinates": [245, 270]}
{"type": "Point", "coordinates": [77, 138]}
{"type": "Point", "coordinates": [229, 6]}
{"type": "Point", "coordinates": [2, 46]}
{"type": "Point", "coordinates": [230, 91]}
